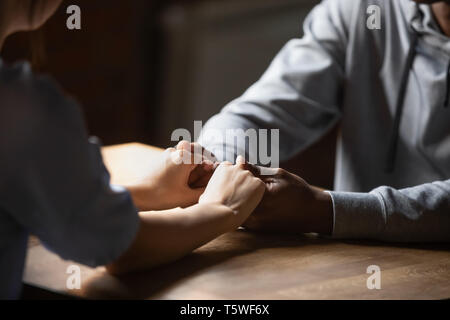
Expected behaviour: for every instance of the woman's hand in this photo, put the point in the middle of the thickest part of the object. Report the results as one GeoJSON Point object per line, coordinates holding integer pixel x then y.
{"type": "Point", "coordinates": [199, 177]}
{"type": "Point", "coordinates": [165, 236]}
{"type": "Point", "coordinates": [167, 186]}
{"type": "Point", "coordinates": [236, 188]}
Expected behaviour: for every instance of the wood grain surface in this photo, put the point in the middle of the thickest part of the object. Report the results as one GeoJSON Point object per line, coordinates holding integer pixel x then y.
{"type": "Point", "coordinates": [243, 265]}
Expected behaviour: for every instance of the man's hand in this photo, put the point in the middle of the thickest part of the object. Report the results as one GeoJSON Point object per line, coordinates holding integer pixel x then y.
{"type": "Point", "coordinates": [290, 205]}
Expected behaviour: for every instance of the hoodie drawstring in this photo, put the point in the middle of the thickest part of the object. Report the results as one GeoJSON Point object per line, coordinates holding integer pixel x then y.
{"type": "Point", "coordinates": [393, 142]}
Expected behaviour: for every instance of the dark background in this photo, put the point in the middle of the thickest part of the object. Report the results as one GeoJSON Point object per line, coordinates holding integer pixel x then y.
{"type": "Point", "coordinates": [141, 69]}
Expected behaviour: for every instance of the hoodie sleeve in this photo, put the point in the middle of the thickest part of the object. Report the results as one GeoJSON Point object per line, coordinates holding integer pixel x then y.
{"type": "Point", "coordinates": [417, 214]}
{"type": "Point", "coordinates": [299, 94]}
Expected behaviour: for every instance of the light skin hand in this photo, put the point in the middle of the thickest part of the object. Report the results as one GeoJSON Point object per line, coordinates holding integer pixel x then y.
{"type": "Point", "coordinates": [164, 236]}
{"type": "Point", "coordinates": [199, 176]}
{"type": "Point", "coordinates": [234, 187]}
{"type": "Point", "coordinates": [167, 185]}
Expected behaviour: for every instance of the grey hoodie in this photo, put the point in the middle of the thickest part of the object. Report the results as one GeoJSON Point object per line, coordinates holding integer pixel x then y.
{"type": "Point", "coordinates": [388, 90]}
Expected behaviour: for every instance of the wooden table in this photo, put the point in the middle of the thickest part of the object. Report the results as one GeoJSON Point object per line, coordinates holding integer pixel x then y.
{"type": "Point", "coordinates": [243, 265]}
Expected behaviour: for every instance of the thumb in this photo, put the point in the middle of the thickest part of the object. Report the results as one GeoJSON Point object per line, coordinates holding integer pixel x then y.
{"type": "Point", "coordinates": [185, 158]}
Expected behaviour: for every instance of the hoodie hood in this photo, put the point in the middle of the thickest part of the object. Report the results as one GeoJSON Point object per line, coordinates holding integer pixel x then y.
{"type": "Point", "coordinates": [422, 21]}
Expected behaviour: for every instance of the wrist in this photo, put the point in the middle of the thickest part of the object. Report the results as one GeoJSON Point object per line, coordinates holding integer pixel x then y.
{"type": "Point", "coordinates": [322, 214]}
{"type": "Point", "coordinates": [218, 216]}
{"type": "Point", "coordinates": [145, 198]}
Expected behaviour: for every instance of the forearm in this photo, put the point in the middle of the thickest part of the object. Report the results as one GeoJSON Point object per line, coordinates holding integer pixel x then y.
{"type": "Point", "coordinates": [312, 215]}
{"type": "Point", "coordinates": [147, 198]}
{"type": "Point", "coordinates": [166, 236]}
{"type": "Point", "coordinates": [417, 214]}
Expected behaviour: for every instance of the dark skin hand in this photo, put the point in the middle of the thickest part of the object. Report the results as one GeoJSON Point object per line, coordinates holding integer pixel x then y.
{"type": "Point", "coordinates": [291, 205]}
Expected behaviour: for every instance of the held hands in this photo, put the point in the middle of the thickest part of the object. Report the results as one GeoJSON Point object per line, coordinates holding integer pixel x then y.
{"type": "Point", "coordinates": [187, 172]}
{"type": "Point", "coordinates": [289, 203]}
{"type": "Point", "coordinates": [236, 188]}
{"type": "Point", "coordinates": [281, 201]}
{"type": "Point", "coordinates": [232, 186]}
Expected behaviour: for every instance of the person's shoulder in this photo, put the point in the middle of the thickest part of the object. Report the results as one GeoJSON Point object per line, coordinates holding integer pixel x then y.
{"type": "Point", "coordinates": [368, 24]}
{"type": "Point", "coordinates": [345, 15]}
{"type": "Point", "coordinates": [32, 96]}
{"type": "Point", "coordinates": [18, 83]}
{"type": "Point", "coordinates": [358, 10]}
{"type": "Point", "coordinates": [32, 106]}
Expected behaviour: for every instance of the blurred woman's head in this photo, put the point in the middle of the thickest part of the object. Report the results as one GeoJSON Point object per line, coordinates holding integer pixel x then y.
{"type": "Point", "coordinates": [24, 15]}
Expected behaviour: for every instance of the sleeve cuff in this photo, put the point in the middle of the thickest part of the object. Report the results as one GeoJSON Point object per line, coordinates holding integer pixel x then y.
{"type": "Point", "coordinates": [357, 215]}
